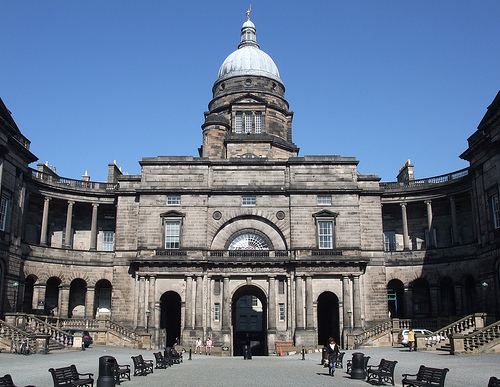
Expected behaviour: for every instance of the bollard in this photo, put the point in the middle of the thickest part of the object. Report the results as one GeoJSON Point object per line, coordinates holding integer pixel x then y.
{"type": "Point", "coordinates": [245, 352]}
{"type": "Point", "coordinates": [358, 369]}
{"type": "Point", "coordinates": [303, 353]}
{"type": "Point", "coordinates": [249, 352]}
{"type": "Point", "coordinates": [106, 371]}
{"type": "Point", "coordinates": [190, 349]}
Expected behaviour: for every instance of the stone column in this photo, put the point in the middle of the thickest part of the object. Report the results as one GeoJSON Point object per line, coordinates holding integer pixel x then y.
{"type": "Point", "coordinates": [140, 309]}
{"type": "Point", "coordinates": [430, 231]}
{"type": "Point", "coordinates": [435, 300]}
{"type": "Point", "coordinates": [406, 238]}
{"type": "Point", "coordinates": [145, 301]}
{"type": "Point", "coordinates": [93, 227]}
{"type": "Point", "coordinates": [45, 222]}
{"type": "Point", "coordinates": [63, 301]}
{"type": "Point", "coordinates": [209, 315]}
{"type": "Point", "coordinates": [346, 290]}
{"type": "Point", "coordinates": [299, 303]}
{"type": "Point", "coordinates": [408, 295]}
{"type": "Point", "coordinates": [136, 301]}
{"type": "Point", "coordinates": [226, 312]}
{"type": "Point", "coordinates": [198, 317]}
{"type": "Point", "coordinates": [89, 302]}
{"type": "Point", "coordinates": [38, 295]}
{"type": "Point", "coordinates": [272, 304]}
{"type": "Point", "coordinates": [69, 224]}
{"type": "Point", "coordinates": [309, 303]}
{"type": "Point", "coordinates": [454, 225]}
{"type": "Point", "coordinates": [151, 306]}
{"type": "Point", "coordinates": [356, 310]}
{"type": "Point", "coordinates": [459, 309]}
{"type": "Point", "coordinates": [157, 315]}
{"type": "Point", "coordinates": [189, 303]}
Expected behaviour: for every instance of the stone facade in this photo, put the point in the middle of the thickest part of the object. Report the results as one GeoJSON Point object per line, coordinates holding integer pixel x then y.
{"type": "Point", "coordinates": [250, 243]}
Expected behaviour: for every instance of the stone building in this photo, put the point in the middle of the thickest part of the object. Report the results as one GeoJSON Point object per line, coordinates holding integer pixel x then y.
{"type": "Point", "coordinates": [250, 243]}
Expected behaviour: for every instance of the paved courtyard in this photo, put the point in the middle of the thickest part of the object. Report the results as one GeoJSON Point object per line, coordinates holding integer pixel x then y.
{"type": "Point", "coordinates": [259, 371]}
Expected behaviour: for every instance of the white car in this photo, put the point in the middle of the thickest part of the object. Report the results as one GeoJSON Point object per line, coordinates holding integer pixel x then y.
{"type": "Point", "coordinates": [403, 335]}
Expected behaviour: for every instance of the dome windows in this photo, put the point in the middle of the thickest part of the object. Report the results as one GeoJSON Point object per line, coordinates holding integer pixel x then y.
{"type": "Point", "coordinates": [248, 122]}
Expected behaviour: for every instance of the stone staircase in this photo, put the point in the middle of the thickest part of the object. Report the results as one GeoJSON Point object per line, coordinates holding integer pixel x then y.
{"type": "Point", "coordinates": [484, 340]}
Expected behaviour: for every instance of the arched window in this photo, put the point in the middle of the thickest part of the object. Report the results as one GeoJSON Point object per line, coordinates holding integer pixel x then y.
{"type": "Point", "coordinates": [249, 241]}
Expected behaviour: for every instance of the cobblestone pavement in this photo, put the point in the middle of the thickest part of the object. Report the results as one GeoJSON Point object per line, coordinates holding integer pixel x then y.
{"type": "Point", "coordinates": [204, 370]}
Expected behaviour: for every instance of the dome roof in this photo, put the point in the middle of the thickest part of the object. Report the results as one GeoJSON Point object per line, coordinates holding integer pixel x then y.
{"type": "Point", "coordinates": [248, 59]}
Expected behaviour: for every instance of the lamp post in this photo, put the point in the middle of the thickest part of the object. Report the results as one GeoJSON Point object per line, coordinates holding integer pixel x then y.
{"type": "Point", "coordinates": [484, 285]}
{"type": "Point", "coordinates": [16, 293]}
{"type": "Point", "coordinates": [148, 313]}
{"type": "Point", "coordinates": [349, 313]}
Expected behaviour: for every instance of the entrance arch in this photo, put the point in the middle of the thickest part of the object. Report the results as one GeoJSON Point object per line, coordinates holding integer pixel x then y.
{"type": "Point", "coordinates": [249, 320]}
{"type": "Point", "coordinates": [328, 318]}
{"type": "Point", "coordinates": [170, 319]}
{"type": "Point", "coordinates": [52, 296]}
{"type": "Point", "coordinates": [396, 298]}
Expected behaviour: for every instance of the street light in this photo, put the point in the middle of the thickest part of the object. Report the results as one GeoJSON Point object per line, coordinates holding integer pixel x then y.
{"type": "Point", "coordinates": [484, 285]}
{"type": "Point", "coordinates": [16, 292]}
{"type": "Point", "coordinates": [148, 313]}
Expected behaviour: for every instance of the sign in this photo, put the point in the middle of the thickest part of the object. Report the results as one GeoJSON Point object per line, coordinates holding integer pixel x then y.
{"type": "Point", "coordinates": [225, 348]}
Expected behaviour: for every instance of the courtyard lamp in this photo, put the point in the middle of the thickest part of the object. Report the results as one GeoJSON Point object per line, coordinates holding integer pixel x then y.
{"type": "Point", "coordinates": [148, 313]}
{"type": "Point", "coordinates": [16, 292]}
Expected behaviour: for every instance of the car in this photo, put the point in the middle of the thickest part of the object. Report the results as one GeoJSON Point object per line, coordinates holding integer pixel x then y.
{"type": "Point", "coordinates": [87, 339]}
{"type": "Point", "coordinates": [403, 335]}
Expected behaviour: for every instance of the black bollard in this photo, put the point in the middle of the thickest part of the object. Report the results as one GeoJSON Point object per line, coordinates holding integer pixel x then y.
{"type": "Point", "coordinates": [106, 371]}
{"type": "Point", "coordinates": [245, 352]}
{"type": "Point", "coordinates": [190, 349]}
{"type": "Point", "coordinates": [303, 353]}
{"type": "Point", "coordinates": [249, 352]}
{"type": "Point", "coordinates": [358, 369]}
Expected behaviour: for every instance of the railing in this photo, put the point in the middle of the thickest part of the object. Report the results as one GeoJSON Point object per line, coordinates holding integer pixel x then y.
{"type": "Point", "coordinates": [481, 337]}
{"type": "Point", "coordinates": [124, 332]}
{"type": "Point", "coordinates": [441, 336]}
{"type": "Point", "coordinates": [39, 326]}
{"type": "Point", "coordinates": [16, 336]}
{"type": "Point", "coordinates": [363, 337]}
{"type": "Point", "coordinates": [70, 183]}
{"type": "Point", "coordinates": [425, 182]}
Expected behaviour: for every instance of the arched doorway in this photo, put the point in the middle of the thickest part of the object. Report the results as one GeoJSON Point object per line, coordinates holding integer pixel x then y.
{"type": "Point", "coordinates": [52, 296]}
{"type": "Point", "coordinates": [249, 319]}
{"type": "Point", "coordinates": [102, 300]}
{"type": "Point", "coordinates": [77, 292]}
{"type": "Point", "coordinates": [396, 298]}
{"type": "Point", "coordinates": [328, 318]}
{"type": "Point", "coordinates": [29, 285]}
{"type": "Point", "coordinates": [170, 319]}
{"type": "Point", "coordinates": [421, 298]}
{"type": "Point", "coordinates": [447, 291]}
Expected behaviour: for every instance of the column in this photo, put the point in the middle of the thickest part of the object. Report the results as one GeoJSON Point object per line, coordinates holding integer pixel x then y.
{"type": "Point", "coordinates": [406, 238]}
{"type": "Point", "coordinates": [454, 225]}
{"type": "Point", "coordinates": [346, 290]}
{"type": "Point", "coordinates": [189, 303]}
{"type": "Point", "coordinates": [198, 317]}
{"type": "Point", "coordinates": [226, 313]}
{"type": "Point", "coordinates": [459, 309]}
{"type": "Point", "coordinates": [209, 316]}
{"type": "Point", "coordinates": [89, 302]}
{"type": "Point", "coordinates": [309, 303]}
{"type": "Point", "coordinates": [63, 301]}
{"type": "Point", "coordinates": [69, 225]}
{"type": "Point", "coordinates": [430, 227]}
{"type": "Point", "coordinates": [145, 301]}
{"type": "Point", "coordinates": [45, 222]}
{"type": "Point", "coordinates": [435, 300]}
{"type": "Point", "coordinates": [151, 303]}
{"type": "Point", "coordinates": [38, 295]}
{"type": "Point", "coordinates": [272, 304]}
{"type": "Point", "coordinates": [356, 310]}
{"type": "Point", "coordinates": [93, 228]}
{"type": "Point", "coordinates": [136, 301]}
{"type": "Point", "coordinates": [157, 315]}
{"type": "Point", "coordinates": [140, 309]}
{"type": "Point", "coordinates": [299, 303]}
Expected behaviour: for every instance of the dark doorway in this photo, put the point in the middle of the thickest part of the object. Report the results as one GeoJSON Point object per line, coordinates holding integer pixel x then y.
{"type": "Point", "coordinates": [77, 294]}
{"type": "Point", "coordinates": [249, 319]}
{"type": "Point", "coordinates": [447, 297]}
{"type": "Point", "coordinates": [170, 319]}
{"type": "Point", "coordinates": [395, 298]}
{"type": "Point", "coordinates": [421, 298]}
{"type": "Point", "coordinates": [470, 304]}
{"type": "Point", "coordinates": [328, 318]}
{"type": "Point", "coordinates": [29, 285]}
{"type": "Point", "coordinates": [52, 296]}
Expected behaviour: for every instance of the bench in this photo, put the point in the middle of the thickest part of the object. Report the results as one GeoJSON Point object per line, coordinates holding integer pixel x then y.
{"type": "Point", "coordinates": [6, 381]}
{"type": "Point", "coordinates": [69, 376]}
{"type": "Point", "coordinates": [122, 372]}
{"type": "Point", "coordinates": [382, 373]}
{"type": "Point", "coordinates": [142, 367]}
{"type": "Point", "coordinates": [494, 382]}
{"type": "Point", "coordinates": [161, 362]}
{"type": "Point", "coordinates": [426, 376]}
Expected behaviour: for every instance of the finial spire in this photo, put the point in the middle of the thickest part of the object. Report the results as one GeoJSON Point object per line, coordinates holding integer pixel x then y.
{"type": "Point", "coordinates": [248, 12]}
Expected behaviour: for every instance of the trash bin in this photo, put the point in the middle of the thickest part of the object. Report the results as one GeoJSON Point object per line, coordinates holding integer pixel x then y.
{"type": "Point", "coordinates": [358, 369]}
{"type": "Point", "coordinates": [106, 371]}
{"type": "Point", "coordinates": [324, 354]}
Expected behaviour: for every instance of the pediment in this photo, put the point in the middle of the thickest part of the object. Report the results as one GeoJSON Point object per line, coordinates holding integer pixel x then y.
{"type": "Point", "coordinates": [249, 99]}
{"type": "Point", "coordinates": [325, 214]}
{"type": "Point", "coordinates": [172, 214]}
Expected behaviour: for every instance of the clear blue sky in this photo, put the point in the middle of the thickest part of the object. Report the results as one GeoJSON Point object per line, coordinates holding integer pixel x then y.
{"type": "Point", "coordinates": [93, 81]}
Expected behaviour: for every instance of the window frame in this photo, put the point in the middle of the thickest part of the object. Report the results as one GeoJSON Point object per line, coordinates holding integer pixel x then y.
{"type": "Point", "coordinates": [4, 212]}
{"type": "Point", "coordinates": [173, 200]}
{"type": "Point", "coordinates": [324, 200]}
{"type": "Point", "coordinates": [281, 312]}
{"type": "Point", "coordinates": [249, 201]}
{"type": "Point", "coordinates": [390, 241]}
{"type": "Point", "coordinates": [172, 217]}
{"type": "Point", "coordinates": [495, 210]}
{"type": "Point", "coordinates": [108, 245]}
{"type": "Point", "coordinates": [326, 217]}
{"type": "Point", "coordinates": [217, 312]}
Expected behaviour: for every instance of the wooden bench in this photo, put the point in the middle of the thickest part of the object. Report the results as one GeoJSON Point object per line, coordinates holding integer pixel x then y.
{"type": "Point", "coordinates": [494, 382]}
{"type": "Point", "coordinates": [426, 376]}
{"type": "Point", "coordinates": [6, 381]}
{"type": "Point", "coordinates": [122, 372]}
{"type": "Point", "coordinates": [142, 367]}
{"type": "Point", "coordinates": [161, 362]}
{"type": "Point", "coordinates": [69, 376]}
{"type": "Point", "coordinates": [382, 373]}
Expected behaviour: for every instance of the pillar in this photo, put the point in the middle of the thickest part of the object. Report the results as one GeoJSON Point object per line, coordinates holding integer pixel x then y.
{"type": "Point", "coordinates": [63, 301]}
{"type": "Point", "coordinates": [45, 222]}
{"type": "Point", "coordinates": [226, 312]}
{"type": "Point", "coordinates": [198, 317]}
{"type": "Point", "coordinates": [69, 225]}
{"type": "Point", "coordinates": [93, 227]}
{"type": "Point", "coordinates": [89, 302]}
{"type": "Point", "coordinates": [140, 310]}
{"type": "Point", "coordinates": [272, 304]}
{"type": "Point", "coordinates": [459, 309]}
{"type": "Point", "coordinates": [189, 303]}
{"type": "Point", "coordinates": [435, 300]}
{"type": "Point", "coordinates": [356, 310]}
{"type": "Point", "coordinates": [454, 224]}
{"type": "Point", "coordinates": [346, 290]}
{"type": "Point", "coordinates": [309, 304]}
{"type": "Point", "coordinates": [209, 315]}
{"type": "Point", "coordinates": [406, 238]}
{"type": "Point", "coordinates": [430, 231]}
{"type": "Point", "coordinates": [299, 303]}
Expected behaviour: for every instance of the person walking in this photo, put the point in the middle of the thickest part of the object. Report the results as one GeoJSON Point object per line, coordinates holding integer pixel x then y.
{"type": "Point", "coordinates": [332, 353]}
{"type": "Point", "coordinates": [199, 345]}
{"type": "Point", "coordinates": [411, 339]}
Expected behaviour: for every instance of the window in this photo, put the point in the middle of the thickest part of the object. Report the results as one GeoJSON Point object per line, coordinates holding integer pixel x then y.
{"type": "Point", "coordinates": [255, 301]}
{"type": "Point", "coordinates": [173, 200]}
{"type": "Point", "coordinates": [281, 286]}
{"type": "Point", "coordinates": [248, 200]}
{"type": "Point", "coordinates": [258, 122]}
{"type": "Point", "coordinates": [217, 287]}
{"type": "Point", "coordinates": [389, 241]}
{"type": "Point", "coordinates": [172, 234]}
{"type": "Point", "coordinates": [4, 205]}
{"type": "Point", "coordinates": [217, 312]}
{"type": "Point", "coordinates": [238, 126]}
{"type": "Point", "coordinates": [324, 200]}
{"type": "Point", "coordinates": [108, 241]}
{"type": "Point", "coordinates": [495, 207]}
{"type": "Point", "coordinates": [281, 312]}
{"type": "Point", "coordinates": [325, 234]}
{"type": "Point", "coordinates": [109, 214]}
{"type": "Point", "coordinates": [254, 323]}
{"type": "Point", "coordinates": [243, 322]}
{"type": "Point", "coordinates": [248, 122]}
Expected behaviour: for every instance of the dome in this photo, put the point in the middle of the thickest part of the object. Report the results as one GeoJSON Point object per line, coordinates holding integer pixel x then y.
{"type": "Point", "coordinates": [248, 59]}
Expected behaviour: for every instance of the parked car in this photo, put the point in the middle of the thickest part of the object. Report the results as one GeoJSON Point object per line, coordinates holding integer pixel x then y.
{"type": "Point", "coordinates": [87, 339]}
{"type": "Point", "coordinates": [403, 335]}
